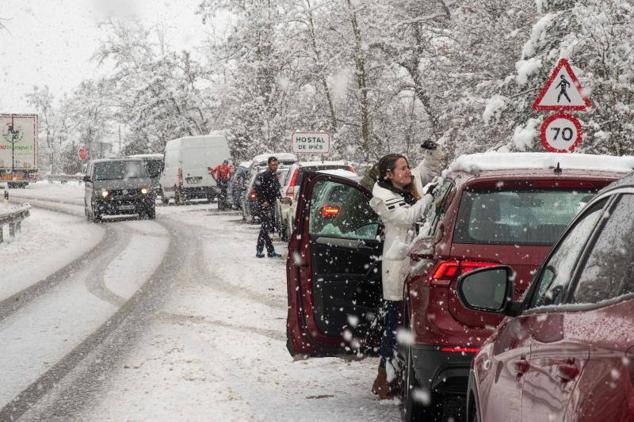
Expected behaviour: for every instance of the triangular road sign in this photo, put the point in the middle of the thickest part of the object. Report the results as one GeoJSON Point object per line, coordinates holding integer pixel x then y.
{"type": "Point", "coordinates": [563, 91]}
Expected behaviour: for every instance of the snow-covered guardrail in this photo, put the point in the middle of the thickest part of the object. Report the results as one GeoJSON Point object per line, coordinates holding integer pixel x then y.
{"type": "Point", "coordinates": [13, 217]}
{"type": "Point", "coordinates": [62, 178]}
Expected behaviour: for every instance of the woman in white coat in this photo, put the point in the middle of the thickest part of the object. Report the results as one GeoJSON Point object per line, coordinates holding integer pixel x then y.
{"type": "Point", "coordinates": [397, 200]}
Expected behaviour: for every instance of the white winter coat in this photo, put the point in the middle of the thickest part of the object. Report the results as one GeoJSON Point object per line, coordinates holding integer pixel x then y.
{"type": "Point", "coordinates": [398, 220]}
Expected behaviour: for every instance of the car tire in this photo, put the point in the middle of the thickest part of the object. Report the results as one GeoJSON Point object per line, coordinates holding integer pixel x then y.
{"type": "Point", "coordinates": [413, 410]}
{"type": "Point", "coordinates": [164, 200]}
{"type": "Point", "coordinates": [151, 213]}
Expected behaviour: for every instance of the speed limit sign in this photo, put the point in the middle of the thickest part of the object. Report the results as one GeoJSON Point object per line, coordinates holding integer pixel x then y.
{"type": "Point", "coordinates": [561, 132]}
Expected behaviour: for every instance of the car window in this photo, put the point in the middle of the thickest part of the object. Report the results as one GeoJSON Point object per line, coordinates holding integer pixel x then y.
{"type": "Point", "coordinates": [609, 268]}
{"type": "Point", "coordinates": [343, 211]}
{"type": "Point", "coordinates": [435, 210]}
{"type": "Point", "coordinates": [517, 216]}
{"type": "Point", "coordinates": [557, 272]}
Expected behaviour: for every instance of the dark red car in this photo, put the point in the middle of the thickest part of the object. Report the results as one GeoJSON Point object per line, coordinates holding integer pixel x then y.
{"type": "Point", "coordinates": [566, 350]}
{"type": "Point", "coordinates": [484, 213]}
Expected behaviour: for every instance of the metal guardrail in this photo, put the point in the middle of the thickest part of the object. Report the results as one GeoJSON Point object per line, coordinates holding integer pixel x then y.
{"type": "Point", "coordinates": [13, 217]}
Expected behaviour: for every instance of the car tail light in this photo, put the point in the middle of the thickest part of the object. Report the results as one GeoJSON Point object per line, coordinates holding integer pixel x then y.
{"type": "Point", "coordinates": [290, 192]}
{"type": "Point", "coordinates": [179, 176]}
{"type": "Point", "coordinates": [447, 271]}
{"type": "Point", "coordinates": [351, 168]}
{"type": "Point", "coordinates": [252, 195]}
{"type": "Point", "coordinates": [329, 211]}
{"type": "Point", "coordinates": [459, 349]}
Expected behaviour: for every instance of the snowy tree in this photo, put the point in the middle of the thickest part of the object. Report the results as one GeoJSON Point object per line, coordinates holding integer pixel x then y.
{"type": "Point", "coordinates": [158, 93]}
{"type": "Point", "coordinates": [42, 100]}
{"type": "Point", "coordinates": [596, 35]}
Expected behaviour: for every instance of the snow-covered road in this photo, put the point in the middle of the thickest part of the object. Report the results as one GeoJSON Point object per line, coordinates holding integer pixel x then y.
{"type": "Point", "coordinates": [203, 337]}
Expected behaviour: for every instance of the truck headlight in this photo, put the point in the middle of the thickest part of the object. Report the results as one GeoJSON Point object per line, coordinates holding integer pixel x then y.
{"type": "Point", "coordinates": [104, 193]}
{"type": "Point", "coordinates": [144, 191]}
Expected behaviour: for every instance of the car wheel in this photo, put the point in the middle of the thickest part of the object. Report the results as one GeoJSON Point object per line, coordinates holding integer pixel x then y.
{"type": "Point", "coordinates": [413, 409]}
{"type": "Point", "coordinates": [164, 200]}
{"type": "Point", "coordinates": [151, 213]}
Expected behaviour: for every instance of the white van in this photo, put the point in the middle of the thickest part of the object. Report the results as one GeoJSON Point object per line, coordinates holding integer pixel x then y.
{"type": "Point", "coordinates": [186, 163]}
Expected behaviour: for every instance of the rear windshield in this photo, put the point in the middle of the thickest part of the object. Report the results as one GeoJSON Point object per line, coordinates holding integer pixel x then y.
{"type": "Point", "coordinates": [517, 217]}
{"type": "Point", "coordinates": [114, 170]}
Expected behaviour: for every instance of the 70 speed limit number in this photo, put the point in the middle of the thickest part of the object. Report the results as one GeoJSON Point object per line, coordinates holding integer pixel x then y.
{"type": "Point", "coordinates": [560, 132]}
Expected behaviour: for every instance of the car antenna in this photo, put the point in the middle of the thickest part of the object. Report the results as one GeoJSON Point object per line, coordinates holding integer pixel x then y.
{"type": "Point", "coordinates": [558, 169]}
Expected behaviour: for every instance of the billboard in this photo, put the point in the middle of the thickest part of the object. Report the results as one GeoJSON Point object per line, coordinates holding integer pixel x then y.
{"type": "Point", "coordinates": [18, 139]}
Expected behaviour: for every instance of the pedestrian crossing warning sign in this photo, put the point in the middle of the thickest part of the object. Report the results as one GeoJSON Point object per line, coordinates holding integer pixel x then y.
{"type": "Point", "coordinates": [563, 91]}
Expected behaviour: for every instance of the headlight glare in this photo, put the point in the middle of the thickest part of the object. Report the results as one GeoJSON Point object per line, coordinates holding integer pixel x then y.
{"type": "Point", "coordinates": [104, 193]}
{"type": "Point", "coordinates": [144, 191]}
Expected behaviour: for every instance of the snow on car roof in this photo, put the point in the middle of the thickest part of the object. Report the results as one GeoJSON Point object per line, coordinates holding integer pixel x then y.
{"type": "Point", "coordinates": [541, 160]}
{"type": "Point", "coordinates": [323, 163]}
{"type": "Point", "coordinates": [342, 173]}
{"type": "Point", "coordinates": [281, 156]}
{"type": "Point", "coordinates": [151, 156]}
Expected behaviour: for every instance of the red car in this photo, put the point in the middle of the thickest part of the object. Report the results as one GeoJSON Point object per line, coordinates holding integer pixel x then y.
{"type": "Point", "coordinates": [484, 213]}
{"type": "Point", "coordinates": [565, 352]}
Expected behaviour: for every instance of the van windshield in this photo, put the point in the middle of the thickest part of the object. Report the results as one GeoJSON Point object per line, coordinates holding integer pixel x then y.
{"type": "Point", "coordinates": [517, 217]}
{"type": "Point", "coordinates": [116, 170]}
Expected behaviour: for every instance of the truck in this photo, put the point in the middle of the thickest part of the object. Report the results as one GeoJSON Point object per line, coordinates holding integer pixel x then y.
{"type": "Point", "coordinates": [18, 149]}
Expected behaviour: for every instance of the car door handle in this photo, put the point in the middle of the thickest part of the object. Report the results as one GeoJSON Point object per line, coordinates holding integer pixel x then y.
{"type": "Point", "coordinates": [568, 371]}
{"type": "Point", "coordinates": [521, 367]}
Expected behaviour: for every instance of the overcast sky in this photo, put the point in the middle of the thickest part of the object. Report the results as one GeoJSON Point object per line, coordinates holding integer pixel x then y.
{"type": "Point", "coordinates": [50, 42]}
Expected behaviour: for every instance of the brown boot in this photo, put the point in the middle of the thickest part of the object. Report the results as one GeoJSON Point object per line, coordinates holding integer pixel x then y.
{"type": "Point", "coordinates": [381, 387]}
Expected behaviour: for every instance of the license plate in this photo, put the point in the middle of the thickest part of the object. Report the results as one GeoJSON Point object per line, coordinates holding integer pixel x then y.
{"type": "Point", "coordinates": [126, 207]}
{"type": "Point", "coordinates": [194, 181]}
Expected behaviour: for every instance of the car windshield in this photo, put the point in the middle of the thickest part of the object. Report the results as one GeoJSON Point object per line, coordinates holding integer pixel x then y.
{"type": "Point", "coordinates": [154, 166]}
{"type": "Point", "coordinates": [116, 170]}
{"type": "Point", "coordinates": [517, 217]}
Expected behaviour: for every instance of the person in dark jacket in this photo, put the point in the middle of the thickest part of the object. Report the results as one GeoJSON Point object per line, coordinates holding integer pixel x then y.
{"type": "Point", "coordinates": [267, 190]}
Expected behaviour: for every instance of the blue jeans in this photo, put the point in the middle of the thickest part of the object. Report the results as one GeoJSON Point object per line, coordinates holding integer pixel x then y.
{"type": "Point", "coordinates": [393, 318]}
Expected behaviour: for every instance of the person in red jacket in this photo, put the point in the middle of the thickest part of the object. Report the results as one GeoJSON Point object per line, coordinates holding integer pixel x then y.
{"type": "Point", "coordinates": [221, 174]}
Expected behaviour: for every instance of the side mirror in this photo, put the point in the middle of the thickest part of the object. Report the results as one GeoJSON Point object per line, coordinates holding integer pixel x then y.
{"type": "Point", "coordinates": [487, 289]}
{"type": "Point", "coordinates": [86, 178]}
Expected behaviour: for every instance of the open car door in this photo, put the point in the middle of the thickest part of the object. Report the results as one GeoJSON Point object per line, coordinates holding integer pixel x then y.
{"type": "Point", "coordinates": [333, 269]}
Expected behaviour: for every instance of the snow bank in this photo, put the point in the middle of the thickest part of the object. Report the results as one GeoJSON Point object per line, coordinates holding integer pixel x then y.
{"type": "Point", "coordinates": [48, 242]}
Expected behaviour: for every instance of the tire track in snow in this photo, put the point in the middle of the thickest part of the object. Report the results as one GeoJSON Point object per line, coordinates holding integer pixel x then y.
{"type": "Point", "coordinates": [22, 298]}
{"type": "Point", "coordinates": [197, 319]}
{"type": "Point", "coordinates": [114, 241]}
{"type": "Point", "coordinates": [213, 279]}
{"type": "Point", "coordinates": [72, 383]}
